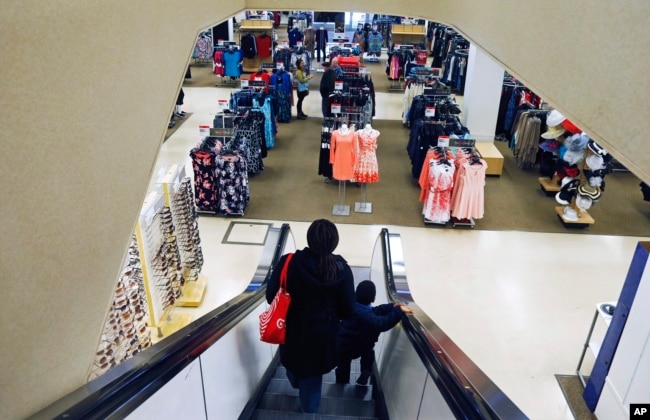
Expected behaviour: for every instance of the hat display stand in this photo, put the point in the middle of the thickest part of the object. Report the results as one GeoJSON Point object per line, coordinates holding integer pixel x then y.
{"type": "Point", "coordinates": [551, 186]}
{"type": "Point", "coordinates": [572, 216]}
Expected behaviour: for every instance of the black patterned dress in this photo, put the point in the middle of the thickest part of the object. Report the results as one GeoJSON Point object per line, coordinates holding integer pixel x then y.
{"type": "Point", "coordinates": [205, 187]}
{"type": "Point", "coordinates": [249, 138]}
{"type": "Point", "coordinates": [232, 177]}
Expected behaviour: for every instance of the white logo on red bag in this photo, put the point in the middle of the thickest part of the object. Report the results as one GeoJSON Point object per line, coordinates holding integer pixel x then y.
{"type": "Point", "coordinates": [280, 323]}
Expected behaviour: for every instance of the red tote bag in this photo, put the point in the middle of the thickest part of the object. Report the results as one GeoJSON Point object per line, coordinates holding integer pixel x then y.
{"type": "Point", "coordinates": [273, 328]}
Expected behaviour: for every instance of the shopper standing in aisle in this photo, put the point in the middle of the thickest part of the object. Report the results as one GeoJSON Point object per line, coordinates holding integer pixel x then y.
{"type": "Point", "coordinates": [327, 83]}
{"type": "Point", "coordinates": [321, 286]}
{"type": "Point", "coordinates": [303, 86]}
{"type": "Point", "coordinates": [337, 69]}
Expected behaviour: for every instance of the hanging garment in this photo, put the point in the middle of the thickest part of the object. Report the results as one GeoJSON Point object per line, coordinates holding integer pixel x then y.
{"type": "Point", "coordinates": [249, 137]}
{"type": "Point", "coordinates": [437, 182]}
{"type": "Point", "coordinates": [375, 41]}
{"type": "Point", "coordinates": [366, 169]}
{"type": "Point", "coordinates": [321, 43]}
{"type": "Point", "coordinates": [264, 44]}
{"type": "Point", "coordinates": [295, 35]}
{"type": "Point", "coordinates": [343, 154]}
{"type": "Point", "coordinates": [248, 46]}
{"type": "Point", "coordinates": [218, 64]}
{"type": "Point", "coordinates": [281, 81]}
{"type": "Point", "coordinates": [324, 165]}
{"type": "Point", "coordinates": [232, 177]}
{"type": "Point", "coordinates": [232, 63]}
{"type": "Point", "coordinates": [203, 48]}
{"type": "Point", "coordinates": [471, 195]}
{"type": "Point", "coordinates": [310, 39]}
{"type": "Point", "coordinates": [205, 187]}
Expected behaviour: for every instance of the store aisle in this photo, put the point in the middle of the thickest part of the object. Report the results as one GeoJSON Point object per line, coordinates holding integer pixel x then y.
{"type": "Point", "coordinates": [519, 304]}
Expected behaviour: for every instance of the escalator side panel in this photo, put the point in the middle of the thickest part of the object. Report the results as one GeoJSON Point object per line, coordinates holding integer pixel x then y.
{"type": "Point", "coordinates": [403, 379]}
{"type": "Point", "coordinates": [233, 367]}
{"type": "Point", "coordinates": [433, 404]}
{"type": "Point", "coordinates": [181, 397]}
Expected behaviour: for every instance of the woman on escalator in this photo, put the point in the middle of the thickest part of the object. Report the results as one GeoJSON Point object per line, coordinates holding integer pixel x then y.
{"type": "Point", "coordinates": [321, 286]}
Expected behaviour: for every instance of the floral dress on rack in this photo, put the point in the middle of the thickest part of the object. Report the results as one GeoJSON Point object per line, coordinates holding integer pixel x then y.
{"type": "Point", "coordinates": [232, 177]}
{"type": "Point", "coordinates": [366, 169]}
{"type": "Point", "coordinates": [437, 182]}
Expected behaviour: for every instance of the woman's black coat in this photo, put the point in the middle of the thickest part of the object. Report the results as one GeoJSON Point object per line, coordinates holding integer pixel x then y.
{"type": "Point", "coordinates": [316, 308]}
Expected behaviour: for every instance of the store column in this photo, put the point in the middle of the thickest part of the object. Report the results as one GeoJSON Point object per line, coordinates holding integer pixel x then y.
{"type": "Point", "coordinates": [482, 94]}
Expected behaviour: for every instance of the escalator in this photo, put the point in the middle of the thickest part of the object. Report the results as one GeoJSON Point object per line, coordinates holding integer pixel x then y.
{"type": "Point", "coordinates": [217, 368]}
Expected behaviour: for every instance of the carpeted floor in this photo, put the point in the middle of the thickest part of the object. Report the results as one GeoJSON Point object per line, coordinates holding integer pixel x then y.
{"type": "Point", "coordinates": [290, 189]}
{"type": "Point", "coordinates": [572, 389]}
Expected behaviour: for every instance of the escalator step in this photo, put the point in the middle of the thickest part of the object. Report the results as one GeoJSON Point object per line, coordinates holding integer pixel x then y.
{"type": "Point", "coordinates": [276, 415]}
{"type": "Point", "coordinates": [329, 406]}
{"type": "Point", "coordinates": [330, 390]}
{"type": "Point", "coordinates": [281, 387]}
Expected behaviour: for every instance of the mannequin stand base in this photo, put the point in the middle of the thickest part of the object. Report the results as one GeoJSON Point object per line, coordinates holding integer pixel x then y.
{"type": "Point", "coordinates": [362, 207]}
{"type": "Point", "coordinates": [584, 219]}
{"type": "Point", "coordinates": [341, 210]}
{"type": "Point", "coordinates": [549, 186]}
{"type": "Point", "coordinates": [193, 292]}
{"type": "Point", "coordinates": [463, 222]}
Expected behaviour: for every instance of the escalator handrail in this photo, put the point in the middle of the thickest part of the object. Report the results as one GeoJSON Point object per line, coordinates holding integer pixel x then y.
{"type": "Point", "coordinates": [468, 391]}
{"type": "Point", "coordinates": [125, 387]}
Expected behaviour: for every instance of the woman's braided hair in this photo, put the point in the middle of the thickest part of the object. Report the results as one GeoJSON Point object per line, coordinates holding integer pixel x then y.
{"type": "Point", "coordinates": [322, 238]}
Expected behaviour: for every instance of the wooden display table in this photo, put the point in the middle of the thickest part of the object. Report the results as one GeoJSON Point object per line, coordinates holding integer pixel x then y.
{"type": "Point", "coordinates": [584, 219]}
{"type": "Point", "coordinates": [492, 157]}
{"type": "Point", "coordinates": [549, 185]}
{"type": "Point", "coordinates": [193, 292]}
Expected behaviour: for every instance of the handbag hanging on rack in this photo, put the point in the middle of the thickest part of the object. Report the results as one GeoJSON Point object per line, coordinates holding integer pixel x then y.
{"type": "Point", "coordinates": [273, 326]}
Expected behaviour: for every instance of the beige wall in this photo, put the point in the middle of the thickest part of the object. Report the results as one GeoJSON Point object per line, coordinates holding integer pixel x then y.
{"type": "Point", "coordinates": [87, 90]}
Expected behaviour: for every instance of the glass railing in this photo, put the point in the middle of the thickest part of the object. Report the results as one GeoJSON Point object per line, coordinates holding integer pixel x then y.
{"type": "Point", "coordinates": [421, 370]}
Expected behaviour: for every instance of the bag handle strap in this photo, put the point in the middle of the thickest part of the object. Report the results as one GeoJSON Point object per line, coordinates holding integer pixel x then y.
{"type": "Point", "coordinates": [283, 273]}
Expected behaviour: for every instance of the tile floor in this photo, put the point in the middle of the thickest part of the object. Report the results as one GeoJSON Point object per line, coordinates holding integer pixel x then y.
{"type": "Point", "coordinates": [518, 303]}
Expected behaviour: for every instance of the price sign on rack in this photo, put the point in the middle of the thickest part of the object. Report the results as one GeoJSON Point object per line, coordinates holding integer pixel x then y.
{"type": "Point", "coordinates": [279, 65]}
{"type": "Point", "coordinates": [338, 85]}
{"type": "Point", "coordinates": [299, 44]}
{"type": "Point", "coordinates": [430, 111]}
{"type": "Point", "coordinates": [222, 104]}
{"type": "Point", "coordinates": [362, 69]}
{"type": "Point", "coordinates": [336, 108]}
{"type": "Point", "coordinates": [204, 130]}
{"type": "Point", "coordinates": [219, 41]}
{"type": "Point", "coordinates": [244, 83]}
{"type": "Point", "coordinates": [443, 141]}
{"type": "Point", "coordinates": [462, 142]}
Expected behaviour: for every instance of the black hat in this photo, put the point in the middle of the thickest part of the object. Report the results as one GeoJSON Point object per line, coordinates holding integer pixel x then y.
{"type": "Point", "coordinates": [366, 292]}
{"type": "Point", "coordinates": [325, 64]}
{"type": "Point", "coordinates": [568, 191]}
{"type": "Point", "coordinates": [596, 148]}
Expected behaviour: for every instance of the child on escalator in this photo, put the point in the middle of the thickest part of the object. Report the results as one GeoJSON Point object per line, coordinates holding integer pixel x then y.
{"type": "Point", "coordinates": [359, 333]}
